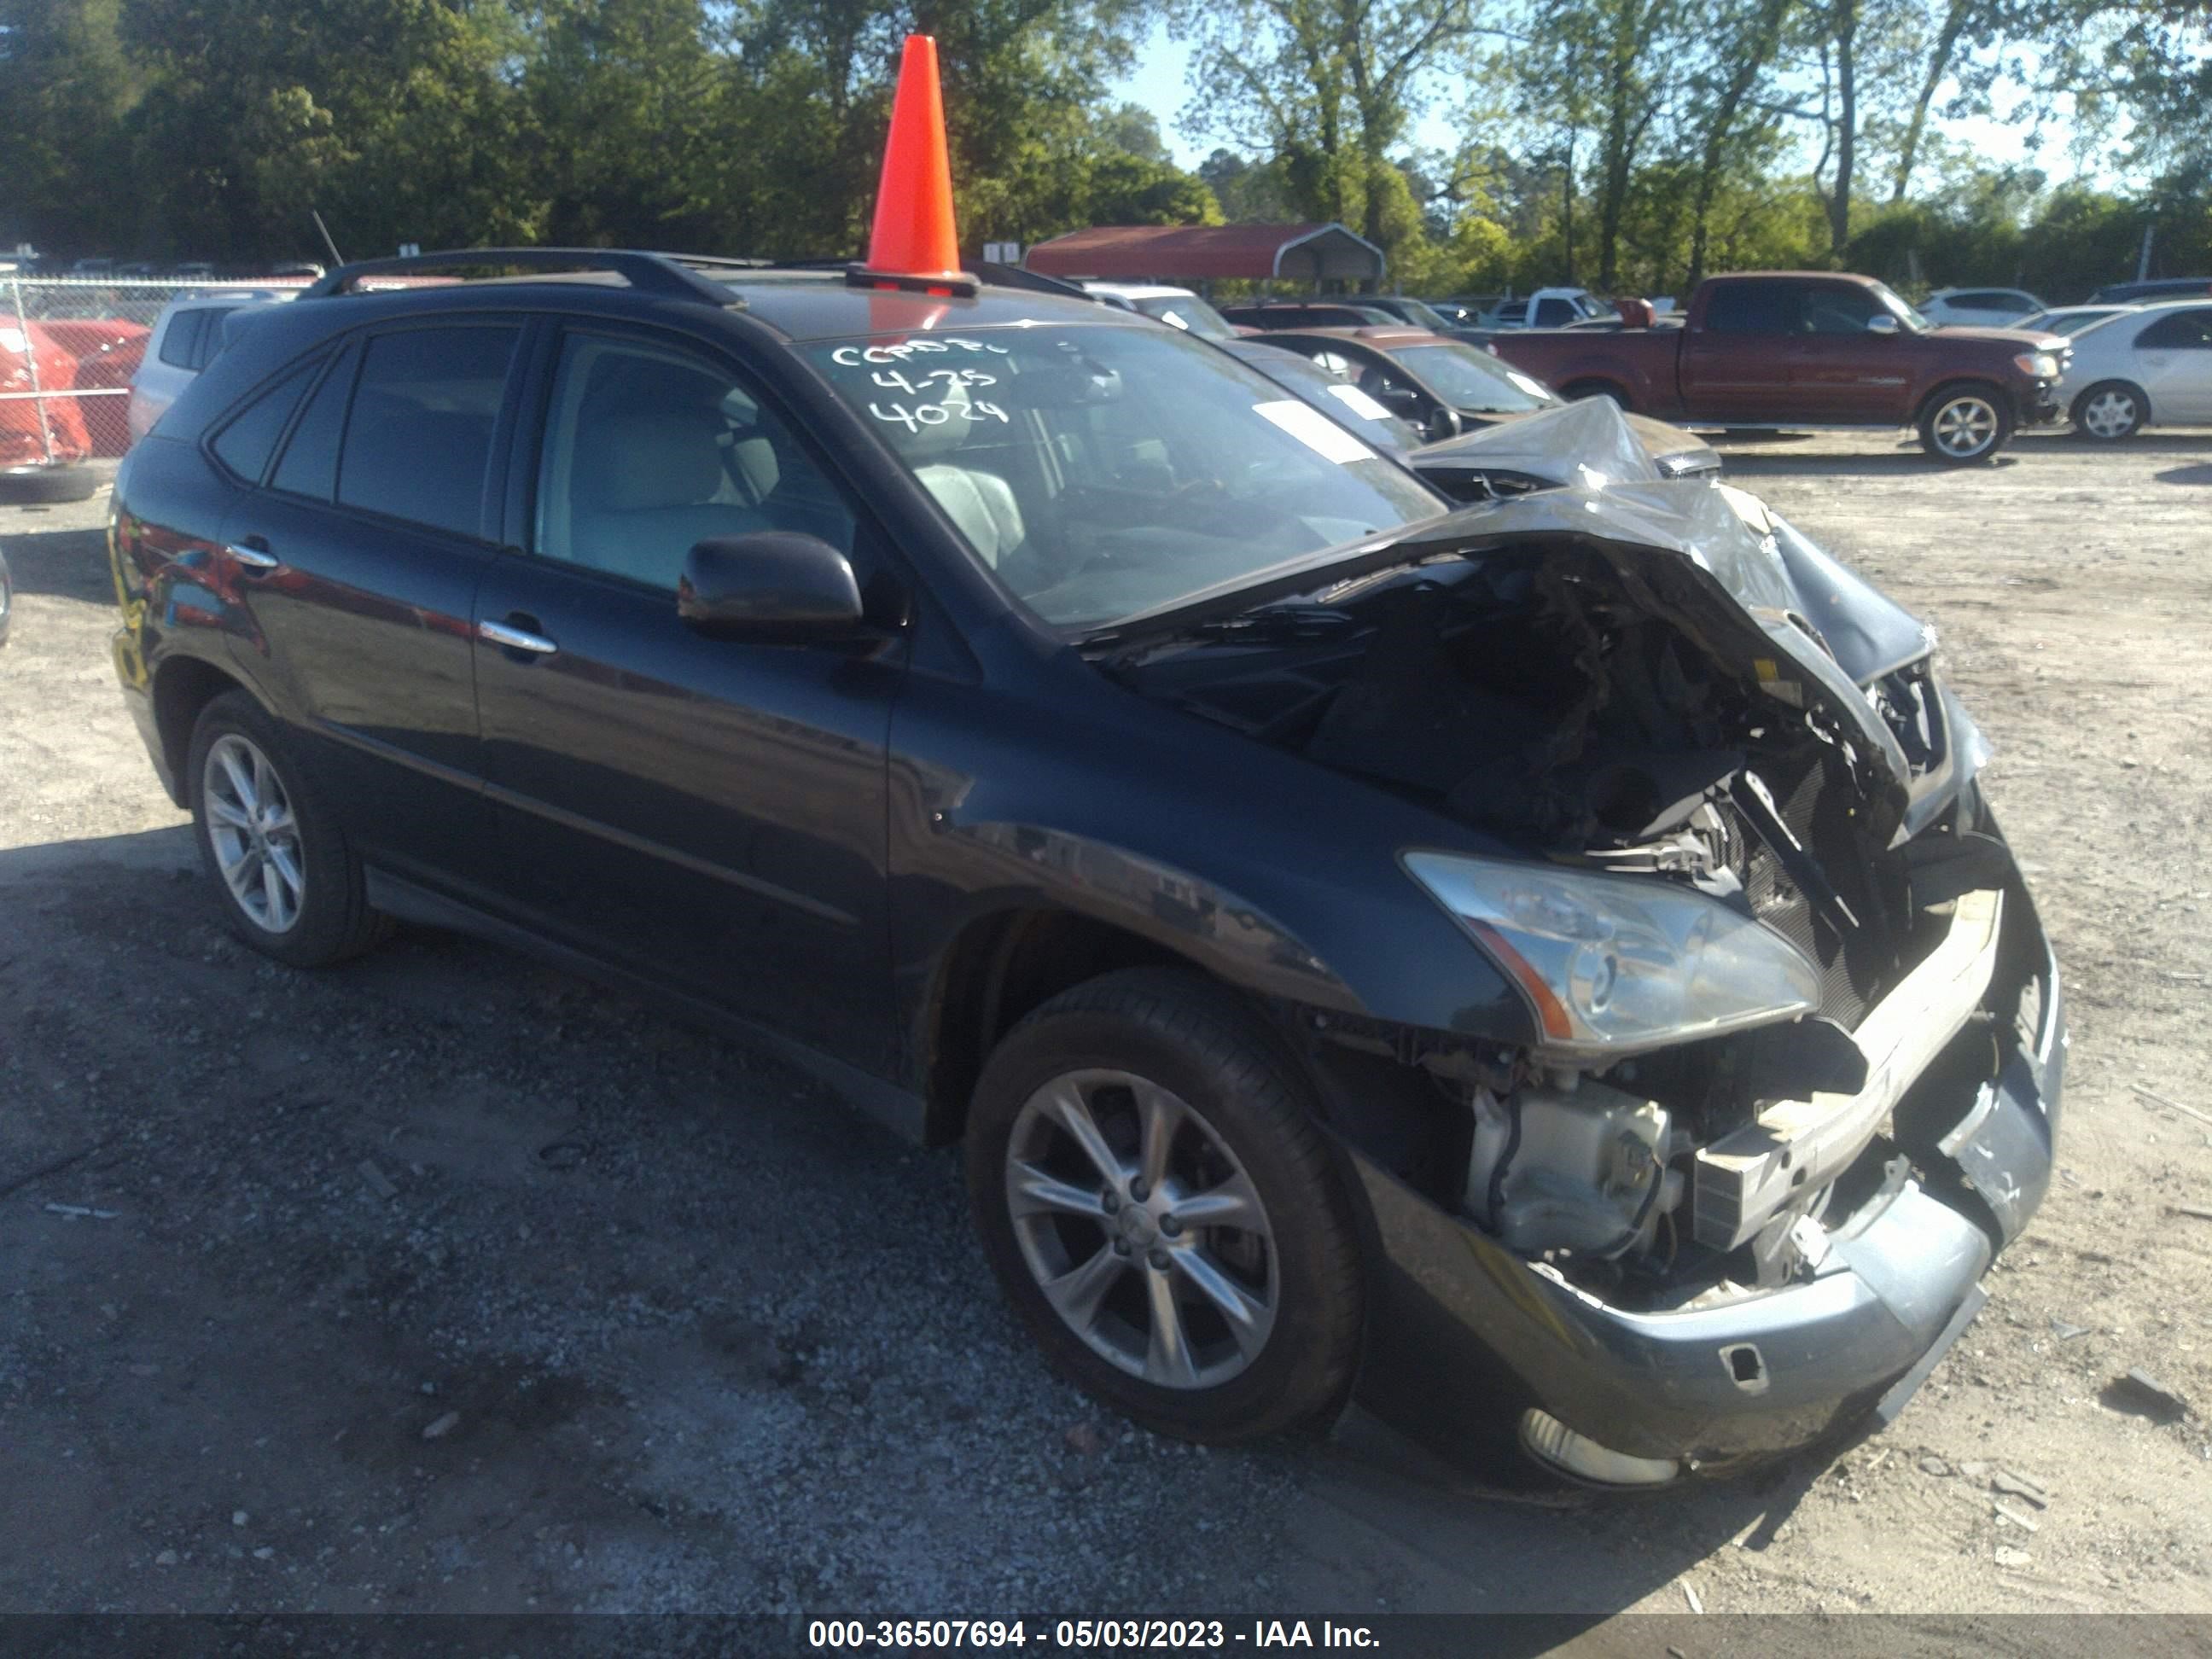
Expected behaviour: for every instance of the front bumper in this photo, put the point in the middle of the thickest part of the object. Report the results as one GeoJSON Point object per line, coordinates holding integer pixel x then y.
{"type": "Point", "coordinates": [1464, 1333]}
{"type": "Point", "coordinates": [2039, 405]}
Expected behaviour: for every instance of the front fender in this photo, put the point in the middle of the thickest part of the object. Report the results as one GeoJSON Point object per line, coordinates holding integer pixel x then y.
{"type": "Point", "coordinates": [1254, 864]}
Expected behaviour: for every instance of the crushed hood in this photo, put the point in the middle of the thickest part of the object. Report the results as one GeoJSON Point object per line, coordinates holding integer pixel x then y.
{"type": "Point", "coordinates": [1748, 584]}
{"type": "Point", "coordinates": [1566, 444]}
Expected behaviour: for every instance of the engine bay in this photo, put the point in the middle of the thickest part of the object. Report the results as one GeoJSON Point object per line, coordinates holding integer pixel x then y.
{"type": "Point", "coordinates": [1585, 714]}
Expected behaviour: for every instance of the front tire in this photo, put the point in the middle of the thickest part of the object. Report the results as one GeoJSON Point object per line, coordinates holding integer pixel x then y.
{"type": "Point", "coordinates": [287, 877]}
{"type": "Point", "coordinates": [2111, 411]}
{"type": "Point", "coordinates": [1159, 1205]}
{"type": "Point", "coordinates": [1966, 425]}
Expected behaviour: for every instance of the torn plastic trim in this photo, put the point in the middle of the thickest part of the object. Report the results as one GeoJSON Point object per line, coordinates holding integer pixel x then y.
{"type": "Point", "coordinates": [1795, 1147]}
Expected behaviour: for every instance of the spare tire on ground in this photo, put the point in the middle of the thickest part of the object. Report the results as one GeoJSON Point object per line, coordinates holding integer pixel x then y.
{"type": "Point", "coordinates": [65, 481]}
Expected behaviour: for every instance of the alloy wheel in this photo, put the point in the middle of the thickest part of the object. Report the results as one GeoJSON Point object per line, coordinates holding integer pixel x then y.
{"type": "Point", "coordinates": [254, 833]}
{"type": "Point", "coordinates": [1144, 1231]}
{"type": "Point", "coordinates": [2109, 415]}
{"type": "Point", "coordinates": [1965, 426]}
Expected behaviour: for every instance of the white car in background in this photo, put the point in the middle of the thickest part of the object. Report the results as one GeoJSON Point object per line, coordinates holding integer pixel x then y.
{"type": "Point", "coordinates": [186, 337]}
{"type": "Point", "coordinates": [2149, 366]}
{"type": "Point", "coordinates": [2067, 319]}
{"type": "Point", "coordinates": [1549, 307]}
{"type": "Point", "coordinates": [1178, 308]}
{"type": "Point", "coordinates": [1979, 307]}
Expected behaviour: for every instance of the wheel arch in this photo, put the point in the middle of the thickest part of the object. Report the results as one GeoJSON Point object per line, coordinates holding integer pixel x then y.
{"type": "Point", "coordinates": [997, 968]}
{"type": "Point", "coordinates": [183, 686]}
{"type": "Point", "coordinates": [1957, 383]}
{"type": "Point", "coordinates": [1599, 386]}
{"type": "Point", "coordinates": [2134, 388]}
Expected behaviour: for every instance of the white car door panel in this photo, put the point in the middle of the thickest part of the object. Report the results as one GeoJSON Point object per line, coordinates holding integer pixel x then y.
{"type": "Point", "coordinates": [2172, 354]}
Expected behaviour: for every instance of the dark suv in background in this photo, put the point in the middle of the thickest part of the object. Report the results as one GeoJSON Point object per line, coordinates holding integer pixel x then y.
{"type": "Point", "coordinates": [1549, 962]}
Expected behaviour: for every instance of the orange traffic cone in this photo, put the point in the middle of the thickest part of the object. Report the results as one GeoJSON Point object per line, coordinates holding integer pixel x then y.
{"type": "Point", "coordinates": [913, 235]}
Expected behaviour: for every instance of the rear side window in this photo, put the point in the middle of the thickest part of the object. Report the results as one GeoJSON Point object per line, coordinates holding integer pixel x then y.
{"type": "Point", "coordinates": [211, 335]}
{"type": "Point", "coordinates": [1554, 314]}
{"type": "Point", "coordinates": [2183, 330]}
{"type": "Point", "coordinates": [194, 338]}
{"type": "Point", "coordinates": [310, 466]}
{"type": "Point", "coordinates": [1753, 308]}
{"type": "Point", "coordinates": [419, 439]}
{"type": "Point", "coordinates": [249, 438]}
{"type": "Point", "coordinates": [181, 341]}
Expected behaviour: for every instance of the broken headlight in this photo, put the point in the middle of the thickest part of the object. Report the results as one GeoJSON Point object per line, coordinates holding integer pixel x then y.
{"type": "Point", "coordinates": [1616, 965]}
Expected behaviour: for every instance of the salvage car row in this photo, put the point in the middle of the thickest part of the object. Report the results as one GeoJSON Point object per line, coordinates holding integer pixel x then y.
{"type": "Point", "coordinates": [1807, 351]}
{"type": "Point", "coordinates": [1758, 351]}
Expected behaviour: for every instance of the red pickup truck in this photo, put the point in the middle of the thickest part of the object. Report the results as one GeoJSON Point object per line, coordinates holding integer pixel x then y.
{"type": "Point", "coordinates": [1799, 349]}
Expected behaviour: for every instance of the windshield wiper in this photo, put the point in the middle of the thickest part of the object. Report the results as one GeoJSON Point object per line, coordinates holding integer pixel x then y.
{"type": "Point", "coordinates": [1275, 625]}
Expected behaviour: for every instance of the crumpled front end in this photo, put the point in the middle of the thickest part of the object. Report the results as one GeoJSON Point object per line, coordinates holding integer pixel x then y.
{"type": "Point", "coordinates": [1794, 1048]}
{"type": "Point", "coordinates": [1721, 1339]}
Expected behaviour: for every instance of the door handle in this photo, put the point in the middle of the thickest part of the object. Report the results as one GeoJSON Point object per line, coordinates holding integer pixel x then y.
{"type": "Point", "coordinates": [253, 553]}
{"type": "Point", "coordinates": [509, 637]}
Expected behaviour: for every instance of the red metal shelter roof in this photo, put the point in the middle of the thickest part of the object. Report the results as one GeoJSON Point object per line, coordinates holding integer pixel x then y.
{"type": "Point", "coordinates": [1307, 252]}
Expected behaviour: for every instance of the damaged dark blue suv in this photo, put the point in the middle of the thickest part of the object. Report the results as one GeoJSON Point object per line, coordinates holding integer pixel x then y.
{"type": "Point", "coordinates": [1543, 964]}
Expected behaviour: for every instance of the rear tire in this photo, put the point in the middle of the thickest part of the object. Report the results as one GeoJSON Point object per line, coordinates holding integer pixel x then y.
{"type": "Point", "coordinates": [63, 482]}
{"type": "Point", "coordinates": [1966, 425]}
{"type": "Point", "coordinates": [288, 881]}
{"type": "Point", "coordinates": [2111, 411]}
{"type": "Point", "coordinates": [1160, 1207]}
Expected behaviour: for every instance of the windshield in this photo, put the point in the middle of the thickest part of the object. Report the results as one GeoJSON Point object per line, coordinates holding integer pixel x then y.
{"type": "Point", "coordinates": [1188, 313]}
{"type": "Point", "coordinates": [1339, 400]}
{"type": "Point", "coordinates": [1107, 469]}
{"type": "Point", "coordinates": [1421, 314]}
{"type": "Point", "coordinates": [1474, 381]}
{"type": "Point", "coordinates": [2063, 322]}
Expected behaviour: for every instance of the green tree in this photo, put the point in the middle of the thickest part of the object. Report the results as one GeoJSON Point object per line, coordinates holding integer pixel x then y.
{"type": "Point", "coordinates": [1327, 88]}
{"type": "Point", "coordinates": [256, 112]}
{"type": "Point", "coordinates": [64, 86]}
{"type": "Point", "coordinates": [631, 99]}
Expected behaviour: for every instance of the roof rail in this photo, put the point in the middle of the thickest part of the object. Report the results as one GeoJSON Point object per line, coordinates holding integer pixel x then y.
{"type": "Point", "coordinates": [665, 274]}
{"type": "Point", "coordinates": [714, 261]}
{"type": "Point", "coordinates": [999, 276]}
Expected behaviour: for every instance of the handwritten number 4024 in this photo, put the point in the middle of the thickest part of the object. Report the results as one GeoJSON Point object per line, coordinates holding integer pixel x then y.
{"type": "Point", "coordinates": [924, 414]}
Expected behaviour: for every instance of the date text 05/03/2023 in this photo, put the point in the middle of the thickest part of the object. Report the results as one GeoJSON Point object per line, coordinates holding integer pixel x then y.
{"type": "Point", "coordinates": [1125, 1634]}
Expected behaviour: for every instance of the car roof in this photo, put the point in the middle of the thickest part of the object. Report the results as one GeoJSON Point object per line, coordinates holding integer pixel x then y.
{"type": "Point", "coordinates": [1292, 302]}
{"type": "Point", "coordinates": [1850, 276]}
{"type": "Point", "coordinates": [820, 306]}
{"type": "Point", "coordinates": [1376, 335]}
{"type": "Point", "coordinates": [243, 295]}
{"type": "Point", "coordinates": [2191, 302]}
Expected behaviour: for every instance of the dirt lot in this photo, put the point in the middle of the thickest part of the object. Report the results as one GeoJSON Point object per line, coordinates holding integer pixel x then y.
{"type": "Point", "coordinates": [445, 1281]}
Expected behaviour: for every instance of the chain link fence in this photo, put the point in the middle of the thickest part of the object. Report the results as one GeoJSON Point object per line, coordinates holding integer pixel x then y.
{"type": "Point", "coordinates": [69, 348]}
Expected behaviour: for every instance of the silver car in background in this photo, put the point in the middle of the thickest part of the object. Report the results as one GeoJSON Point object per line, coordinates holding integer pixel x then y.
{"type": "Point", "coordinates": [186, 337]}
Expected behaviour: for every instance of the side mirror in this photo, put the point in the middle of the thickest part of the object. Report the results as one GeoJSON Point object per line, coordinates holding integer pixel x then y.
{"type": "Point", "coordinates": [771, 586]}
{"type": "Point", "coordinates": [1881, 323]}
{"type": "Point", "coordinates": [1444, 422]}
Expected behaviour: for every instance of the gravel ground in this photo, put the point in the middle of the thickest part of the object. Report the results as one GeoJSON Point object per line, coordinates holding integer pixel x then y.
{"type": "Point", "coordinates": [444, 1281]}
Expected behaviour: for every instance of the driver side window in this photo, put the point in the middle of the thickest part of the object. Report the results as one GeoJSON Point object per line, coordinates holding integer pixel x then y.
{"type": "Point", "coordinates": [1838, 310]}
{"type": "Point", "coordinates": [649, 449]}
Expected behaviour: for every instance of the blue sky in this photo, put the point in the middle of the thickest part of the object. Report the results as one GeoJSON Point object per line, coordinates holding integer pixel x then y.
{"type": "Point", "coordinates": [1158, 81]}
